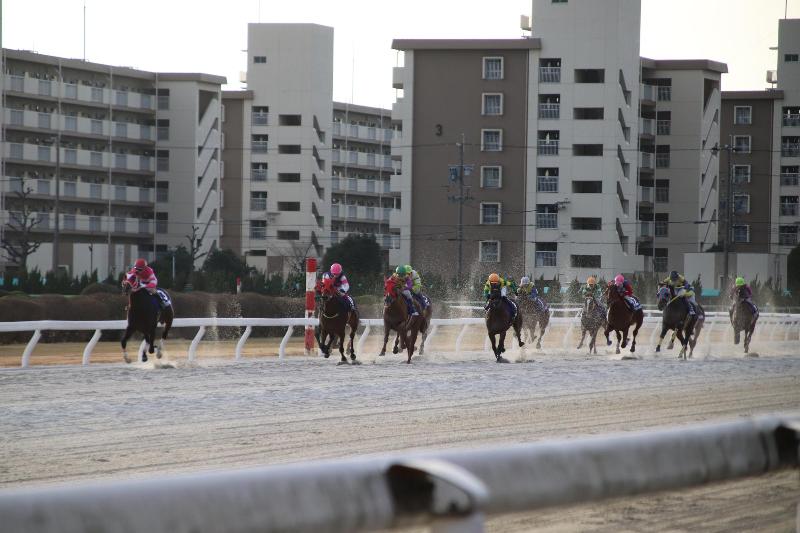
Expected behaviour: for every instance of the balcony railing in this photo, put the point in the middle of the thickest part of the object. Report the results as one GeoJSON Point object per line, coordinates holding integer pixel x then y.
{"type": "Point", "coordinates": [648, 92]}
{"type": "Point", "coordinates": [661, 228]}
{"type": "Point", "coordinates": [546, 259]}
{"type": "Point", "coordinates": [547, 220]}
{"type": "Point", "coordinates": [260, 147]}
{"type": "Point", "coordinates": [664, 127]}
{"type": "Point", "coordinates": [258, 174]}
{"type": "Point", "coordinates": [548, 147]}
{"type": "Point", "coordinates": [549, 111]}
{"type": "Point", "coordinates": [550, 74]}
{"type": "Point", "coordinates": [791, 119]}
{"type": "Point", "coordinates": [646, 127]}
{"type": "Point", "coordinates": [646, 228]}
{"type": "Point", "coordinates": [647, 160]}
{"type": "Point", "coordinates": [789, 210]}
{"type": "Point", "coordinates": [646, 194]}
{"type": "Point", "coordinates": [790, 179]}
{"type": "Point", "coordinates": [547, 183]}
{"type": "Point", "coordinates": [790, 149]}
{"type": "Point", "coordinates": [258, 204]}
{"type": "Point", "coordinates": [664, 93]}
{"type": "Point", "coordinates": [260, 119]}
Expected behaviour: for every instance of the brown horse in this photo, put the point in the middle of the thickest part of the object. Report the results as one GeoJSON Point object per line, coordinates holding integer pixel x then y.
{"type": "Point", "coordinates": [334, 316]}
{"type": "Point", "coordinates": [536, 316]}
{"type": "Point", "coordinates": [498, 320]}
{"type": "Point", "coordinates": [144, 315]}
{"type": "Point", "coordinates": [592, 319]}
{"type": "Point", "coordinates": [396, 317]}
{"type": "Point", "coordinates": [743, 318]}
{"type": "Point", "coordinates": [621, 318]}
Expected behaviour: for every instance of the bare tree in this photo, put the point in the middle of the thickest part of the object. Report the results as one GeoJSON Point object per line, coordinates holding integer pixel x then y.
{"type": "Point", "coordinates": [297, 255]}
{"type": "Point", "coordinates": [194, 246]}
{"type": "Point", "coordinates": [18, 241]}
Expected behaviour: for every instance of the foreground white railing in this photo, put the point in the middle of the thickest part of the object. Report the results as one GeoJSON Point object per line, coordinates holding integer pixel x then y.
{"type": "Point", "coordinates": [448, 490]}
{"type": "Point", "coordinates": [770, 325]}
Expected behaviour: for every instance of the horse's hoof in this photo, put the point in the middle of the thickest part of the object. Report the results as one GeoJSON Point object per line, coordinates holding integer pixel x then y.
{"type": "Point", "coordinates": [633, 348]}
{"type": "Point", "coordinates": [608, 343]}
{"type": "Point", "coordinates": [395, 351]}
{"type": "Point", "coordinates": [355, 362]}
{"type": "Point", "coordinates": [624, 344]}
{"type": "Point", "coordinates": [352, 357]}
{"type": "Point", "coordinates": [326, 355]}
{"type": "Point", "coordinates": [144, 358]}
{"type": "Point", "coordinates": [342, 363]}
{"type": "Point", "coordinates": [502, 359]}
{"type": "Point", "coordinates": [521, 344]}
{"type": "Point", "coordinates": [126, 358]}
{"type": "Point", "coordinates": [617, 351]}
{"type": "Point", "coordinates": [658, 349]}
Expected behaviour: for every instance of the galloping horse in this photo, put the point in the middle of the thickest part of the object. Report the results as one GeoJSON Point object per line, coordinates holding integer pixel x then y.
{"type": "Point", "coordinates": [743, 318]}
{"type": "Point", "coordinates": [144, 314]}
{"type": "Point", "coordinates": [536, 316]}
{"type": "Point", "coordinates": [676, 317]}
{"type": "Point", "coordinates": [396, 317]}
{"type": "Point", "coordinates": [621, 318]}
{"type": "Point", "coordinates": [334, 315]}
{"type": "Point", "coordinates": [498, 320]}
{"type": "Point", "coordinates": [592, 319]}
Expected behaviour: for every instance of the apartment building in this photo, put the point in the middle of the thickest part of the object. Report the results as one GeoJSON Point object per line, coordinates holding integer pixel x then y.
{"type": "Point", "coordinates": [561, 134]}
{"type": "Point", "coordinates": [97, 161]}
{"type": "Point", "coordinates": [361, 167]}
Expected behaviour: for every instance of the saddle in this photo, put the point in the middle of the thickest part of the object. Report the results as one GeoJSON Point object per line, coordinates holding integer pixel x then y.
{"type": "Point", "coordinates": [512, 307]}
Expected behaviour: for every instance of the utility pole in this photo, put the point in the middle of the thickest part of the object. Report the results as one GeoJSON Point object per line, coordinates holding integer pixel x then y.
{"type": "Point", "coordinates": [56, 205]}
{"type": "Point", "coordinates": [460, 209]}
{"type": "Point", "coordinates": [729, 211]}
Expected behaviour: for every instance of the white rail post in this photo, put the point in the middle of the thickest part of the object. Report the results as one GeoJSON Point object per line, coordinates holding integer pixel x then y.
{"type": "Point", "coordinates": [192, 355]}
{"type": "Point", "coordinates": [460, 338]}
{"type": "Point", "coordinates": [242, 340]}
{"type": "Point", "coordinates": [708, 334]}
{"type": "Point", "coordinates": [26, 355]}
{"type": "Point", "coordinates": [284, 341]}
{"type": "Point", "coordinates": [363, 338]}
{"type": "Point", "coordinates": [487, 344]}
{"type": "Point", "coordinates": [87, 352]}
{"type": "Point", "coordinates": [431, 335]}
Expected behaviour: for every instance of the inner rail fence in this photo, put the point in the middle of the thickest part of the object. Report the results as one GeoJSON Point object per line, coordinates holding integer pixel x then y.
{"type": "Point", "coordinates": [772, 328]}
{"type": "Point", "coordinates": [445, 490]}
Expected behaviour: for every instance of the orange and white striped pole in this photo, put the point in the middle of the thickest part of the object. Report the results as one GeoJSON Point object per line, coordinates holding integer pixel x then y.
{"type": "Point", "coordinates": [311, 284]}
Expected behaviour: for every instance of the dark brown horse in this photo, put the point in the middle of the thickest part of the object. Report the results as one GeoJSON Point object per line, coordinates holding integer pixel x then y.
{"type": "Point", "coordinates": [621, 318]}
{"type": "Point", "coordinates": [676, 317]}
{"type": "Point", "coordinates": [743, 319]}
{"type": "Point", "coordinates": [396, 317]}
{"type": "Point", "coordinates": [144, 315]}
{"type": "Point", "coordinates": [592, 319]}
{"type": "Point", "coordinates": [334, 315]}
{"type": "Point", "coordinates": [498, 320]}
{"type": "Point", "coordinates": [535, 316]}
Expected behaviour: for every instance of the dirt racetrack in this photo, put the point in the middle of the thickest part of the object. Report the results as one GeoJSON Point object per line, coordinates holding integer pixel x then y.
{"type": "Point", "coordinates": [71, 423]}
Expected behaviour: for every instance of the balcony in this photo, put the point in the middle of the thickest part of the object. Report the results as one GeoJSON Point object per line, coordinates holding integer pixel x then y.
{"type": "Point", "coordinates": [360, 186]}
{"type": "Point", "coordinates": [550, 74]}
{"type": "Point", "coordinates": [548, 147]}
{"type": "Point", "coordinates": [373, 214]}
{"type": "Point", "coordinates": [790, 149]}
{"type": "Point", "coordinates": [547, 183]}
{"type": "Point", "coordinates": [86, 224]}
{"type": "Point", "coordinates": [646, 229]}
{"type": "Point", "coordinates": [646, 126]}
{"type": "Point", "coordinates": [646, 161]}
{"type": "Point", "coordinates": [646, 195]}
{"type": "Point", "coordinates": [547, 220]}
{"type": "Point", "coordinates": [791, 120]}
{"type": "Point", "coordinates": [260, 119]}
{"type": "Point", "coordinates": [259, 147]}
{"type": "Point", "coordinates": [790, 179]}
{"type": "Point", "coordinates": [362, 159]}
{"type": "Point", "coordinates": [648, 93]}
{"type": "Point", "coordinates": [789, 210]}
{"type": "Point", "coordinates": [664, 93]}
{"type": "Point", "coordinates": [787, 236]}
{"type": "Point", "coordinates": [80, 125]}
{"type": "Point", "coordinates": [80, 191]}
{"type": "Point", "coordinates": [549, 111]}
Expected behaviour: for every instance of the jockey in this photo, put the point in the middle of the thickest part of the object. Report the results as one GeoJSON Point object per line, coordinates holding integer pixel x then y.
{"type": "Point", "coordinates": [141, 276]}
{"type": "Point", "coordinates": [415, 288]}
{"type": "Point", "coordinates": [743, 292]}
{"type": "Point", "coordinates": [412, 285]}
{"type": "Point", "coordinates": [625, 289]}
{"type": "Point", "coordinates": [527, 290]}
{"type": "Point", "coordinates": [495, 281]}
{"type": "Point", "coordinates": [592, 290]}
{"type": "Point", "coordinates": [340, 283]}
{"type": "Point", "coordinates": [682, 290]}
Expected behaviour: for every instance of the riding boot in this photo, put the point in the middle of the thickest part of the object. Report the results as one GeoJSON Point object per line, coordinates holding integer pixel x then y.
{"type": "Point", "coordinates": [689, 307]}
{"type": "Point", "coordinates": [412, 311]}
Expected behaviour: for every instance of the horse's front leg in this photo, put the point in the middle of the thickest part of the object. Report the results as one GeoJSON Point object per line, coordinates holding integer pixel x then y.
{"type": "Point", "coordinates": [422, 342]}
{"type": "Point", "coordinates": [351, 348]}
{"type": "Point", "coordinates": [593, 341]}
{"type": "Point", "coordinates": [326, 351]}
{"type": "Point", "coordinates": [664, 330]}
{"type": "Point", "coordinates": [494, 345]}
{"type": "Point", "coordinates": [341, 336]}
{"type": "Point", "coordinates": [672, 340]}
{"type": "Point", "coordinates": [606, 333]}
{"type": "Point", "coordinates": [683, 340]}
{"type": "Point", "coordinates": [124, 343]}
{"type": "Point", "coordinates": [386, 330]}
{"type": "Point", "coordinates": [518, 331]}
{"type": "Point", "coordinates": [619, 338]}
{"type": "Point", "coordinates": [542, 328]}
{"type": "Point", "coordinates": [583, 336]}
{"type": "Point", "coordinates": [625, 337]}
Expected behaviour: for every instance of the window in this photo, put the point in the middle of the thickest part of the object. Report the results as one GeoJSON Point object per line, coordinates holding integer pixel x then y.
{"type": "Point", "coordinates": [258, 171]}
{"type": "Point", "coordinates": [741, 204]}
{"type": "Point", "coordinates": [289, 235]}
{"type": "Point", "coordinates": [588, 113]}
{"type": "Point", "coordinates": [493, 68]}
{"type": "Point", "coordinates": [791, 58]}
{"type": "Point", "coordinates": [547, 180]}
{"type": "Point", "coordinates": [662, 191]}
{"type": "Point", "coordinates": [664, 123]}
{"type": "Point", "coordinates": [490, 213]}
{"type": "Point", "coordinates": [550, 106]}
{"type": "Point", "coordinates": [492, 104]}
{"type": "Point", "coordinates": [162, 222]}
{"type": "Point", "coordinates": [162, 96]}
{"type": "Point", "coordinates": [661, 225]}
{"type": "Point", "coordinates": [550, 70]}
{"type": "Point", "coordinates": [587, 149]}
{"type": "Point", "coordinates": [259, 59]}
{"type": "Point", "coordinates": [742, 115]}
{"type": "Point", "coordinates": [790, 146]}
{"type": "Point", "coordinates": [162, 160]}
{"type": "Point", "coordinates": [289, 149]}
{"type": "Point", "coordinates": [258, 201]}
{"type": "Point", "coordinates": [741, 173]}
{"type": "Point", "coordinates": [590, 75]}
{"type": "Point", "coordinates": [662, 156]}
{"type": "Point", "coordinates": [546, 254]}
{"type": "Point", "coordinates": [663, 89]}
{"type": "Point", "coordinates": [789, 206]}
{"type": "Point", "coordinates": [289, 177]}
{"type": "Point", "coordinates": [258, 229]}
{"type": "Point", "coordinates": [259, 143]}
{"type": "Point", "coordinates": [491, 140]}
{"type": "Point", "coordinates": [492, 177]}
{"type": "Point", "coordinates": [741, 143]}
{"type": "Point", "coordinates": [290, 120]}
{"type": "Point", "coordinates": [489, 251]}
{"type": "Point", "coordinates": [787, 235]}
{"type": "Point", "coordinates": [587, 223]}
{"type": "Point", "coordinates": [790, 175]}
{"type": "Point", "coordinates": [548, 142]}
{"type": "Point", "coordinates": [584, 261]}
{"type": "Point", "coordinates": [71, 123]}
{"type": "Point", "coordinates": [162, 129]}
{"type": "Point", "coordinates": [162, 191]}
{"type": "Point", "coordinates": [260, 116]}
{"type": "Point", "coordinates": [546, 216]}
{"type": "Point", "coordinates": [288, 206]}
{"type": "Point", "coordinates": [559, 1]}
{"type": "Point", "coordinates": [587, 187]}
{"type": "Point", "coordinates": [741, 233]}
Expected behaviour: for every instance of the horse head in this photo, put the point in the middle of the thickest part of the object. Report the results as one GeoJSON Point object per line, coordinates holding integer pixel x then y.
{"type": "Point", "coordinates": [664, 296]}
{"type": "Point", "coordinates": [589, 305]}
{"type": "Point", "coordinates": [326, 288]}
{"type": "Point", "coordinates": [495, 296]}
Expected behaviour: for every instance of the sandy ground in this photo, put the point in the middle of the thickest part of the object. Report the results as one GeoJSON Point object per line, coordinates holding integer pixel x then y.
{"type": "Point", "coordinates": [67, 423]}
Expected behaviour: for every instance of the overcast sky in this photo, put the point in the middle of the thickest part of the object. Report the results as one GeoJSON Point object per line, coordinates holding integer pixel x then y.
{"type": "Point", "coordinates": [210, 35]}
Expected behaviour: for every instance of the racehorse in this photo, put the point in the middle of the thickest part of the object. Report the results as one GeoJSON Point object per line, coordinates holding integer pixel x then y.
{"type": "Point", "coordinates": [743, 318]}
{"type": "Point", "coordinates": [676, 317]}
{"type": "Point", "coordinates": [536, 316]}
{"type": "Point", "coordinates": [621, 318]}
{"type": "Point", "coordinates": [396, 317]}
{"type": "Point", "coordinates": [498, 320]}
{"type": "Point", "coordinates": [334, 315]}
{"type": "Point", "coordinates": [144, 315]}
{"type": "Point", "coordinates": [592, 319]}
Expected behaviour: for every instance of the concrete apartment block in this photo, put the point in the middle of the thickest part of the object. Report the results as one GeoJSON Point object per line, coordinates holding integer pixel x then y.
{"type": "Point", "coordinates": [113, 153]}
